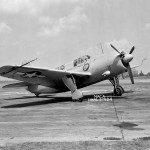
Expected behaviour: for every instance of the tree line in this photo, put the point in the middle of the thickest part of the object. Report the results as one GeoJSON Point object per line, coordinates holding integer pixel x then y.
{"type": "Point", "coordinates": [142, 74]}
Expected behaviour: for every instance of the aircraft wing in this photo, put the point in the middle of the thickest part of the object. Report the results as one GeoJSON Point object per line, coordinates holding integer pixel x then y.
{"type": "Point", "coordinates": [45, 77]}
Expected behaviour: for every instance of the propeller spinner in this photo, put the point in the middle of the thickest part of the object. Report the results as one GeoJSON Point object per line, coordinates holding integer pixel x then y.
{"type": "Point", "coordinates": [126, 59]}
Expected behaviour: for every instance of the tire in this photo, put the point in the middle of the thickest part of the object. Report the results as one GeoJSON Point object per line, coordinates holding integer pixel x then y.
{"type": "Point", "coordinates": [121, 88]}
{"type": "Point", "coordinates": [118, 91]}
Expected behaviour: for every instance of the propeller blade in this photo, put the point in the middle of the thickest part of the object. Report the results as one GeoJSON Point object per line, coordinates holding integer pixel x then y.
{"type": "Point", "coordinates": [122, 76]}
{"type": "Point", "coordinates": [115, 49]}
{"type": "Point", "coordinates": [132, 49]}
{"type": "Point", "coordinates": [130, 73]}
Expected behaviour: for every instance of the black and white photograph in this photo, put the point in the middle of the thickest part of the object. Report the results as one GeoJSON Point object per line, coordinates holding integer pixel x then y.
{"type": "Point", "coordinates": [74, 75]}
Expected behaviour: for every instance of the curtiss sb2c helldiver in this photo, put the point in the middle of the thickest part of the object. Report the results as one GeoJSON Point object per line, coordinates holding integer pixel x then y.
{"type": "Point", "coordinates": [72, 76]}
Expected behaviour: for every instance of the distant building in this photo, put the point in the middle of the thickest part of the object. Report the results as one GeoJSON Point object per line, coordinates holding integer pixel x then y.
{"type": "Point", "coordinates": [134, 72]}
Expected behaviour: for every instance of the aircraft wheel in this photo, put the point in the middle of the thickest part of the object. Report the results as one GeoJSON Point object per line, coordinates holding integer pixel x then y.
{"type": "Point", "coordinates": [118, 91]}
{"type": "Point", "coordinates": [121, 88]}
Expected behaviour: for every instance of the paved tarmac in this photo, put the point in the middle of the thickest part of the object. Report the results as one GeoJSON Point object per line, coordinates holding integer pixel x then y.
{"type": "Point", "coordinates": [25, 118]}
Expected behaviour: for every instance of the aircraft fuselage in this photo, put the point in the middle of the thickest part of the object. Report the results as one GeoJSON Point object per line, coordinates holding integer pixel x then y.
{"type": "Point", "coordinates": [101, 68]}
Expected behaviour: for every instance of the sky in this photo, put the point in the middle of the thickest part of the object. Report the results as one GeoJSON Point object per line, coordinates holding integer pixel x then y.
{"type": "Point", "coordinates": [59, 31]}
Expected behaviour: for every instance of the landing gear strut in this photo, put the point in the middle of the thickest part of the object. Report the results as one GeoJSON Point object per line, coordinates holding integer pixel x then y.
{"type": "Point", "coordinates": [77, 95]}
{"type": "Point", "coordinates": [118, 90]}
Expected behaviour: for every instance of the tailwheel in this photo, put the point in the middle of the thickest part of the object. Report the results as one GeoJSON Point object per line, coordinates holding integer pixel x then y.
{"type": "Point", "coordinates": [118, 91]}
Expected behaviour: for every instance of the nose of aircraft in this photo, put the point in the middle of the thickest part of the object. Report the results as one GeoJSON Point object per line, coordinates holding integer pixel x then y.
{"type": "Point", "coordinates": [127, 58]}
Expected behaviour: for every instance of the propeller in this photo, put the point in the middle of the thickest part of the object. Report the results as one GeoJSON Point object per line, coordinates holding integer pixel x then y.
{"type": "Point", "coordinates": [17, 67]}
{"type": "Point", "coordinates": [126, 58]}
{"type": "Point", "coordinates": [132, 49]}
{"type": "Point", "coordinates": [115, 48]}
{"type": "Point", "coordinates": [130, 73]}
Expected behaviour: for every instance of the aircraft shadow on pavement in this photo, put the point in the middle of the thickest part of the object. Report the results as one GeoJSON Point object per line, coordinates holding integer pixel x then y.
{"type": "Point", "coordinates": [36, 103]}
{"type": "Point", "coordinates": [25, 97]}
{"type": "Point", "coordinates": [50, 100]}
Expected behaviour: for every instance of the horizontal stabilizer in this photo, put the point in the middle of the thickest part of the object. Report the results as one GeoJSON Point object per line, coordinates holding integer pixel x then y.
{"type": "Point", "coordinates": [16, 85]}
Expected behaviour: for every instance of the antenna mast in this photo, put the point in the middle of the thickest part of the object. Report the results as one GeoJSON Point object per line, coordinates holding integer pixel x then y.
{"type": "Point", "coordinates": [102, 48]}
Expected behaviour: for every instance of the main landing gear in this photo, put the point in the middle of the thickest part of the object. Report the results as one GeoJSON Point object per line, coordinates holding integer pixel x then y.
{"type": "Point", "coordinates": [118, 90]}
{"type": "Point", "coordinates": [77, 95]}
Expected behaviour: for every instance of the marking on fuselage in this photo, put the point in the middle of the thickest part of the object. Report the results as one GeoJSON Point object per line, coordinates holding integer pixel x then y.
{"type": "Point", "coordinates": [86, 66]}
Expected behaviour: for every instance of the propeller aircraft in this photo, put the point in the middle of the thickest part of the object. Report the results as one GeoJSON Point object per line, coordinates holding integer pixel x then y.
{"type": "Point", "coordinates": [72, 76]}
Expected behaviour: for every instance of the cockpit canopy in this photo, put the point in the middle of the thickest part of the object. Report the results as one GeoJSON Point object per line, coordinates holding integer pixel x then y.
{"type": "Point", "coordinates": [81, 60]}
{"type": "Point", "coordinates": [76, 63]}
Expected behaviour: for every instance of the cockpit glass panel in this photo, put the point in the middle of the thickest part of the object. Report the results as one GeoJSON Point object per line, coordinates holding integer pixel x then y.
{"type": "Point", "coordinates": [81, 60]}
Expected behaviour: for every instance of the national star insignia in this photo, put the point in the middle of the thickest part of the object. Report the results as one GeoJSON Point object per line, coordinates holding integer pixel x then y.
{"type": "Point", "coordinates": [32, 75]}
